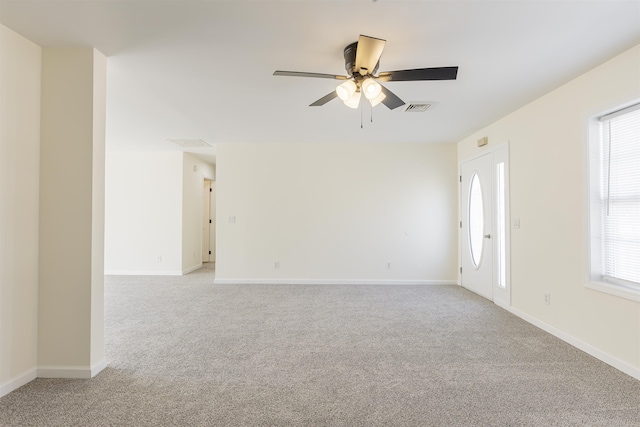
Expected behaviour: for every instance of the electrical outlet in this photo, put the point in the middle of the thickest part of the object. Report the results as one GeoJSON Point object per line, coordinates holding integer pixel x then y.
{"type": "Point", "coordinates": [276, 265]}
{"type": "Point", "coordinates": [159, 258]}
{"type": "Point", "coordinates": [388, 265]}
{"type": "Point", "coordinates": [547, 298]}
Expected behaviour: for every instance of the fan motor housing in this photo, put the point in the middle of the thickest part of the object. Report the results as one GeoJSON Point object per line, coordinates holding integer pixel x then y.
{"type": "Point", "coordinates": [350, 60]}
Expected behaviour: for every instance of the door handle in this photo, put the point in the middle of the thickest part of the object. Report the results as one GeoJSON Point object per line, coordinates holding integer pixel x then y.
{"type": "Point", "coordinates": [487, 236]}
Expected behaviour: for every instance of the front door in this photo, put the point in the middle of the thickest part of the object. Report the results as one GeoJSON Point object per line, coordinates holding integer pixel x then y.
{"type": "Point", "coordinates": [476, 239]}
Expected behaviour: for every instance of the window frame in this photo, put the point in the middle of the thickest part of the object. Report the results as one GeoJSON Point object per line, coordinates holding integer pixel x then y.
{"type": "Point", "coordinates": [593, 156]}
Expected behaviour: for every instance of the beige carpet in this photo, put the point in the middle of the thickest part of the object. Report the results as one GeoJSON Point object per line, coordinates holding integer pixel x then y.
{"type": "Point", "coordinates": [184, 352]}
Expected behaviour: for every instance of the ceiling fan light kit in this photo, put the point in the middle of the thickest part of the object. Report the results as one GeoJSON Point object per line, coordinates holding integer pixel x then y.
{"type": "Point", "coordinates": [371, 88]}
{"type": "Point", "coordinates": [362, 59]}
{"type": "Point", "coordinates": [378, 99]}
{"type": "Point", "coordinates": [346, 90]}
{"type": "Point", "coordinates": [353, 101]}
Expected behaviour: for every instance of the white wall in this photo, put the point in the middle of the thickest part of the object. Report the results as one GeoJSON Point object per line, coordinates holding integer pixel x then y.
{"type": "Point", "coordinates": [20, 64]}
{"type": "Point", "coordinates": [194, 172]}
{"type": "Point", "coordinates": [548, 163]}
{"type": "Point", "coordinates": [143, 212]}
{"type": "Point", "coordinates": [336, 213]}
{"type": "Point", "coordinates": [70, 290]}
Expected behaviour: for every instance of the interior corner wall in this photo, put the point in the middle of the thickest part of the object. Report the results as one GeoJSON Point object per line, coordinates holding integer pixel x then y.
{"type": "Point", "coordinates": [336, 213]}
{"type": "Point", "coordinates": [70, 290]}
{"type": "Point", "coordinates": [549, 182]}
{"type": "Point", "coordinates": [20, 73]}
{"type": "Point", "coordinates": [194, 172]}
{"type": "Point", "coordinates": [143, 212]}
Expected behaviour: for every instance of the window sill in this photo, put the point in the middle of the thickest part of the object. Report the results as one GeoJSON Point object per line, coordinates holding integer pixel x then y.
{"type": "Point", "coordinates": [616, 290]}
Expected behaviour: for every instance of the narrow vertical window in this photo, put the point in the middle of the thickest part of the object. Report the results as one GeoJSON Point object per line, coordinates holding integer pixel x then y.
{"type": "Point", "coordinates": [476, 220]}
{"type": "Point", "coordinates": [501, 226]}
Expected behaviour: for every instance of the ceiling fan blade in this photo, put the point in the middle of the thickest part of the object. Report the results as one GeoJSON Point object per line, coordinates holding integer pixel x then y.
{"type": "Point", "coordinates": [437, 73]}
{"type": "Point", "coordinates": [368, 54]}
{"type": "Point", "coordinates": [324, 99]}
{"type": "Point", "coordinates": [391, 100]}
{"type": "Point", "coordinates": [303, 74]}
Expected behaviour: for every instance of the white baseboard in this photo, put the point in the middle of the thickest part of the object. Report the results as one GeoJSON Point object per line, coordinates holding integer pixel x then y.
{"type": "Point", "coordinates": [77, 372]}
{"type": "Point", "coordinates": [18, 381]}
{"type": "Point", "coordinates": [142, 273]}
{"type": "Point", "coordinates": [98, 367]}
{"type": "Point", "coordinates": [190, 269]}
{"type": "Point", "coordinates": [503, 305]}
{"type": "Point", "coordinates": [329, 282]}
{"type": "Point", "coordinates": [621, 365]}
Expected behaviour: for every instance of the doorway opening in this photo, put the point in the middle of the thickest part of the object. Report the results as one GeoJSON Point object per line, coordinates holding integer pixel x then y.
{"type": "Point", "coordinates": [209, 223]}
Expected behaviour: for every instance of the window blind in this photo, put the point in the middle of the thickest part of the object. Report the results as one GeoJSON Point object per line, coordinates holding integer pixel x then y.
{"type": "Point", "coordinates": [620, 196]}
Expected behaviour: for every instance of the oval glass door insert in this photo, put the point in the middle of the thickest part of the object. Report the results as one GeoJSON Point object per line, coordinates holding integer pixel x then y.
{"type": "Point", "coordinates": [476, 220]}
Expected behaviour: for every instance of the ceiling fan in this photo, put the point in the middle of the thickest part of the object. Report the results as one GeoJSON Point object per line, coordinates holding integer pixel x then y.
{"type": "Point", "coordinates": [362, 59]}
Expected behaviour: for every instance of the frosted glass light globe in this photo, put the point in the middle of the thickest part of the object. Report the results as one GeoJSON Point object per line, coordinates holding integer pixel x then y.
{"type": "Point", "coordinates": [378, 99]}
{"type": "Point", "coordinates": [346, 89]}
{"type": "Point", "coordinates": [371, 88]}
{"type": "Point", "coordinates": [353, 101]}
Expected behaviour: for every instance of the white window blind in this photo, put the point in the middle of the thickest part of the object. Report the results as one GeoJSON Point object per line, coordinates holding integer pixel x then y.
{"type": "Point", "coordinates": [619, 197]}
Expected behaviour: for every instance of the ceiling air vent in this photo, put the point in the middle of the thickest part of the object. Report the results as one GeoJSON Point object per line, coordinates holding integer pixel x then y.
{"type": "Point", "coordinates": [189, 143]}
{"type": "Point", "coordinates": [417, 108]}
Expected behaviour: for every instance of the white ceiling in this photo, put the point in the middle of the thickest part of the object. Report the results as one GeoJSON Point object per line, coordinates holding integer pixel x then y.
{"type": "Point", "coordinates": [203, 69]}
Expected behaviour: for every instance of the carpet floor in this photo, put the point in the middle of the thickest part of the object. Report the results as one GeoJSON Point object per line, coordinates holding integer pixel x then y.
{"type": "Point", "coordinates": [185, 352]}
